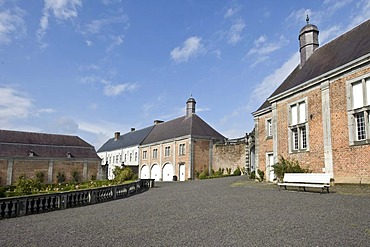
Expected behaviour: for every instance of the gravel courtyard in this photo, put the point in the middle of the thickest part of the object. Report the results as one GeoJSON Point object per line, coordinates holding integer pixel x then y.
{"type": "Point", "coordinates": [218, 212]}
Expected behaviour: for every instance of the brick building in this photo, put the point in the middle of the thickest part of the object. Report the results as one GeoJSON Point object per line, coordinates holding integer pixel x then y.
{"type": "Point", "coordinates": [178, 147]}
{"type": "Point", "coordinates": [319, 115]}
{"type": "Point", "coordinates": [26, 153]}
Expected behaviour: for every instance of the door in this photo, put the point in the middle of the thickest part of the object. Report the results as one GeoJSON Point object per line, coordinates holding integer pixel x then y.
{"type": "Point", "coordinates": [155, 172]}
{"type": "Point", "coordinates": [270, 169]}
{"type": "Point", "coordinates": [167, 172]}
{"type": "Point", "coordinates": [144, 172]}
{"type": "Point", "coordinates": [182, 172]}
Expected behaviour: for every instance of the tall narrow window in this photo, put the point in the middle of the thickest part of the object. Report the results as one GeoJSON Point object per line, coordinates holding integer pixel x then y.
{"type": "Point", "coordinates": [167, 151]}
{"type": "Point", "coordinates": [155, 153]}
{"type": "Point", "coordinates": [268, 128]}
{"type": "Point", "coordinates": [360, 126]}
{"type": "Point", "coordinates": [298, 126]}
{"type": "Point", "coordinates": [182, 149]}
{"type": "Point", "coordinates": [144, 155]}
{"type": "Point", "coordinates": [135, 156]}
{"type": "Point", "coordinates": [359, 109]}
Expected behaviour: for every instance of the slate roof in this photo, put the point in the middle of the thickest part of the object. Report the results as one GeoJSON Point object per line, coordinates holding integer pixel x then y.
{"type": "Point", "coordinates": [340, 51]}
{"type": "Point", "coordinates": [182, 126]}
{"type": "Point", "coordinates": [129, 139]}
{"type": "Point", "coordinates": [19, 144]}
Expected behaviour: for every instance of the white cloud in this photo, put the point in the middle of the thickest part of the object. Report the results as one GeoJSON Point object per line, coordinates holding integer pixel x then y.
{"type": "Point", "coordinates": [99, 25]}
{"type": "Point", "coordinates": [89, 43]}
{"type": "Point", "coordinates": [65, 125]}
{"type": "Point", "coordinates": [117, 40]}
{"type": "Point", "coordinates": [61, 9]}
{"type": "Point", "coordinates": [230, 12]}
{"type": "Point", "coordinates": [234, 34]}
{"type": "Point", "coordinates": [117, 89]}
{"type": "Point", "coordinates": [46, 110]}
{"type": "Point", "coordinates": [11, 25]}
{"type": "Point", "coordinates": [190, 48]}
{"type": "Point", "coordinates": [262, 47]}
{"type": "Point", "coordinates": [13, 105]}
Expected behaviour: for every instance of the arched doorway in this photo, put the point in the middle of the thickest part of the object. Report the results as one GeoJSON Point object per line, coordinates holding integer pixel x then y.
{"type": "Point", "coordinates": [155, 172]}
{"type": "Point", "coordinates": [144, 172]}
{"type": "Point", "coordinates": [167, 172]}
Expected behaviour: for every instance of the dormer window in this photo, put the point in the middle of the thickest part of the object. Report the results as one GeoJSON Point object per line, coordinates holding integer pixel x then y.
{"type": "Point", "coordinates": [31, 153]}
{"type": "Point", "coordinates": [69, 155]}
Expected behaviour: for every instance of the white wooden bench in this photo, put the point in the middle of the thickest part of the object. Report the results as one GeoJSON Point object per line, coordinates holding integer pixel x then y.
{"type": "Point", "coordinates": [303, 180]}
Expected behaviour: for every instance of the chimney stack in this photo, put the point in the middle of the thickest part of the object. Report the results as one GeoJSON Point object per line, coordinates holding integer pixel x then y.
{"type": "Point", "coordinates": [116, 135]}
{"type": "Point", "coordinates": [308, 41]}
{"type": "Point", "coordinates": [157, 122]}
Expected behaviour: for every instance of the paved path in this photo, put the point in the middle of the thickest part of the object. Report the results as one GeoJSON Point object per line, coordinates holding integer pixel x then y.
{"type": "Point", "coordinates": [218, 212]}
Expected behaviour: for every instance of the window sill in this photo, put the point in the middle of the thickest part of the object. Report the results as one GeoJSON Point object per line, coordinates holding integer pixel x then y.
{"type": "Point", "coordinates": [268, 138]}
{"type": "Point", "coordinates": [360, 143]}
{"type": "Point", "coordinates": [298, 151]}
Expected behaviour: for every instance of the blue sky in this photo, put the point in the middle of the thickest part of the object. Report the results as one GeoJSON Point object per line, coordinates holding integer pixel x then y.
{"type": "Point", "coordinates": [90, 68]}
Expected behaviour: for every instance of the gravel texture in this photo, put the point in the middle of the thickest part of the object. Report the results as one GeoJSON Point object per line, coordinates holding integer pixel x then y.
{"type": "Point", "coordinates": [217, 212]}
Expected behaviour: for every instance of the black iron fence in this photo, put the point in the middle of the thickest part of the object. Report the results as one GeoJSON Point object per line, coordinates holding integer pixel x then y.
{"type": "Point", "coordinates": [34, 204]}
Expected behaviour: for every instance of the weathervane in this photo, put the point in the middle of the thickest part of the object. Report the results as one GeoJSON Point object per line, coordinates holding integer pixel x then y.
{"type": "Point", "coordinates": [307, 19]}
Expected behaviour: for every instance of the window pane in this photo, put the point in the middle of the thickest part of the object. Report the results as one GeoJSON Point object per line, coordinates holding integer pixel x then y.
{"type": "Point", "coordinates": [295, 138]}
{"type": "Point", "coordinates": [360, 126]}
{"type": "Point", "coordinates": [294, 115]}
{"type": "Point", "coordinates": [357, 95]}
{"type": "Point", "coordinates": [368, 91]}
{"type": "Point", "coordinates": [303, 137]}
{"type": "Point", "coordinates": [302, 112]}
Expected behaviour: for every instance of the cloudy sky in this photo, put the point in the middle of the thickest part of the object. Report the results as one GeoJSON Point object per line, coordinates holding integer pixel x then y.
{"type": "Point", "coordinates": [90, 68]}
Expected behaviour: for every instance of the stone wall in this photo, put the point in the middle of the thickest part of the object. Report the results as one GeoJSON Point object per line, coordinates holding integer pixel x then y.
{"type": "Point", "coordinates": [16, 167]}
{"type": "Point", "coordinates": [229, 155]}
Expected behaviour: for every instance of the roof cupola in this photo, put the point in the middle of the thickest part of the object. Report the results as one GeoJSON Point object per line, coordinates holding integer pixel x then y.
{"type": "Point", "coordinates": [190, 106]}
{"type": "Point", "coordinates": [308, 41]}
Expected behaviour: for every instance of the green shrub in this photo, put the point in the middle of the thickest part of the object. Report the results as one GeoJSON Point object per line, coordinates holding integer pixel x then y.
{"type": "Point", "coordinates": [261, 174]}
{"type": "Point", "coordinates": [27, 186]}
{"type": "Point", "coordinates": [204, 174]}
{"type": "Point", "coordinates": [61, 177]}
{"type": "Point", "coordinates": [197, 173]}
{"type": "Point", "coordinates": [287, 166]}
{"type": "Point", "coordinates": [75, 176]}
{"type": "Point", "coordinates": [122, 174]}
{"type": "Point", "coordinates": [237, 172]}
{"type": "Point", "coordinates": [252, 175]}
{"type": "Point", "coordinates": [40, 176]}
{"type": "Point", "coordinates": [228, 171]}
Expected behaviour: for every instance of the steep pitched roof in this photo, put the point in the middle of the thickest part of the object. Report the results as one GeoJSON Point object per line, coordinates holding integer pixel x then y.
{"type": "Point", "coordinates": [340, 51]}
{"type": "Point", "coordinates": [129, 139]}
{"type": "Point", "coordinates": [20, 144]}
{"type": "Point", "coordinates": [182, 126]}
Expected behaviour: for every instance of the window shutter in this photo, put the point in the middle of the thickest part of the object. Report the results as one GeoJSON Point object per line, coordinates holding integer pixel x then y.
{"type": "Point", "coordinates": [358, 98]}
{"type": "Point", "coordinates": [294, 115]}
{"type": "Point", "coordinates": [368, 92]}
{"type": "Point", "coordinates": [302, 112]}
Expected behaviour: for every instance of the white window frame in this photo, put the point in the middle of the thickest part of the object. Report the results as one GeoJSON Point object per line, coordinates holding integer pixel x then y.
{"type": "Point", "coordinates": [155, 153]}
{"type": "Point", "coordinates": [182, 149]}
{"type": "Point", "coordinates": [359, 131]}
{"type": "Point", "coordinates": [298, 126]}
{"type": "Point", "coordinates": [268, 128]}
{"type": "Point", "coordinates": [145, 154]}
{"type": "Point", "coordinates": [167, 151]}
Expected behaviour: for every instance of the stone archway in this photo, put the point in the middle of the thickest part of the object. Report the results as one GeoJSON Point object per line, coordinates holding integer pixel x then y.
{"type": "Point", "coordinates": [167, 172]}
{"type": "Point", "coordinates": [155, 172]}
{"type": "Point", "coordinates": [144, 172]}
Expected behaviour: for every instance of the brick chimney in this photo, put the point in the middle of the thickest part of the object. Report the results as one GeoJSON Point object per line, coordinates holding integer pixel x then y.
{"type": "Point", "coordinates": [116, 135]}
{"type": "Point", "coordinates": [308, 41]}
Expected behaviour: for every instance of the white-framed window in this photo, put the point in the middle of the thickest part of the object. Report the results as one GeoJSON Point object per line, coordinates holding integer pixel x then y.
{"type": "Point", "coordinates": [130, 157]}
{"type": "Point", "coordinates": [358, 105]}
{"type": "Point", "coordinates": [135, 156]}
{"type": "Point", "coordinates": [298, 126]}
{"type": "Point", "coordinates": [269, 128]}
{"type": "Point", "coordinates": [182, 149]}
{"type": "Point", "coordinates": [144, 154]}
{"type": "Point", "coordinates": [155, 153]}
{"type": "Point", "coordinates": [167, 151]}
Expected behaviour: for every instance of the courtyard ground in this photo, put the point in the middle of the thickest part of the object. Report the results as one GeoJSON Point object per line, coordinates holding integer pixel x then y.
{"type": "Point", "coordinates": [231, 211]}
